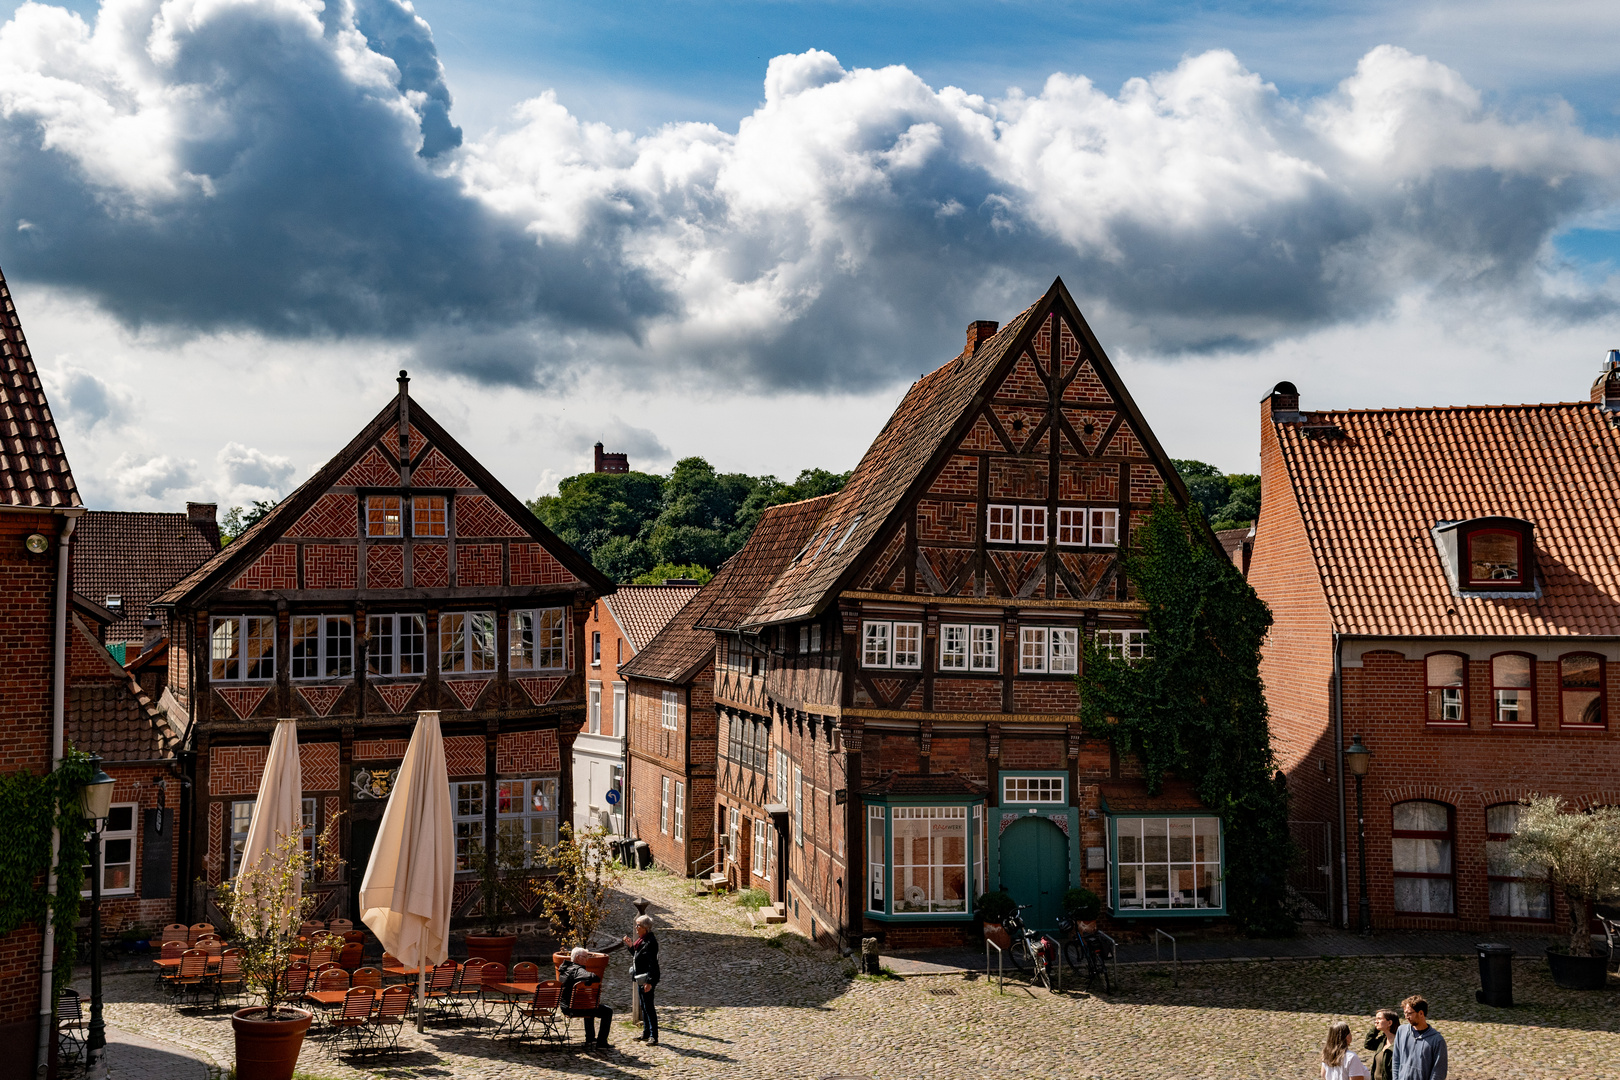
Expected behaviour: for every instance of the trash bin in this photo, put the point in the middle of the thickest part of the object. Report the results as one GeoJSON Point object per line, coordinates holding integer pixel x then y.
{"type": "Point", "coordinates": [1495, 975]}
{"type": "Point", "coordinates": [643, 855]}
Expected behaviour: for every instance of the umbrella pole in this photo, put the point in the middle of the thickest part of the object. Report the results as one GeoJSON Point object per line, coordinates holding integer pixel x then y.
{"type": "Point", "coordinates": [421, 994]}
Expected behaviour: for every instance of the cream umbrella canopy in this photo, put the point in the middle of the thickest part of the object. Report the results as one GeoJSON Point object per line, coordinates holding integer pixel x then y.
{"type": "Point", "coordinates": [405, 896]}
{"type": "Point", "coordinates": [278, 813]}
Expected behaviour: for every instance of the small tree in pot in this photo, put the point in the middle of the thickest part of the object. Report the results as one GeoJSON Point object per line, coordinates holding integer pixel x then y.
{"type": "Point", "coordinates": [1581, 853]}
{"type": "Point", "coordinates": [506, 880]}
{"type": "Point", "coordinates": [575, 896]}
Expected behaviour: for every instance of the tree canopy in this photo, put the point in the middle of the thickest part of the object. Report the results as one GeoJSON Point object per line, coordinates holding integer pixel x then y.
{"type": "Point", "coordinates": [1227, 500]}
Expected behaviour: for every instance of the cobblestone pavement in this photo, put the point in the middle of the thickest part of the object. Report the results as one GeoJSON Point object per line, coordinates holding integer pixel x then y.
{"type": "Point", "coordinates": [745, 1003]}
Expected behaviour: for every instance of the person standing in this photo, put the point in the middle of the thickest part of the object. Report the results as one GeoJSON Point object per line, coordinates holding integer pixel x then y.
{"type": "Point", "coordinates": [1339, 1062]}
{"type": "Point", "coordinates": [1380, 1042]}
{"type": "Point", "coordinates": [1419, 1052]}
{"type": "Point", "coordinates": [644, 974]}
{"type": "Point", "coordinates": [574, 973]}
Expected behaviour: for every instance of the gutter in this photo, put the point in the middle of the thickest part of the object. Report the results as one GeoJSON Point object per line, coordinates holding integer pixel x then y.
{"type": "Point", "coordinates": [1338, 772]}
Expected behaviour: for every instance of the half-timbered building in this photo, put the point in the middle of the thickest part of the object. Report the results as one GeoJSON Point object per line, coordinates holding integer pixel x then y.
{"type": "Point", "coordinates": [401, 577]}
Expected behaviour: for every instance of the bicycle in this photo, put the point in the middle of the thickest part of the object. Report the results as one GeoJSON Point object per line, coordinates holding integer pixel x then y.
{"type": "Point", "coordinates": [1032, 954]}
{"type": "Point", "coordinates": [1087, 954]}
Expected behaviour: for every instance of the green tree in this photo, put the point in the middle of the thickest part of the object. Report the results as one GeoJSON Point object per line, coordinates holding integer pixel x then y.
{"type": "Point", "coordinates": [1196, 708]}
{"type": "Point", "coordinates": [239, 520]}
{"type": "Point", "coordinates": [1228, 500]}
{"type": "Point", "coordinates": [657, 575]}
{"type": "Point", "coordinates": [592, 508]}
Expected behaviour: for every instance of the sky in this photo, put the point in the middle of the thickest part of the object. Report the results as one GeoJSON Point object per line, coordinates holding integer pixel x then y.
{"type": "Point", "coordinates": [741, 229]}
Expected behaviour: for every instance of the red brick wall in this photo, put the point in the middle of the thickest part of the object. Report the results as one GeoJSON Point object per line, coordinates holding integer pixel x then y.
{"type": "Point", "coordinates": [138, 784]}
{"type": "Point", "coordinates": [690, 760]}
{"type": "Point", "coordinates": [613, 640]}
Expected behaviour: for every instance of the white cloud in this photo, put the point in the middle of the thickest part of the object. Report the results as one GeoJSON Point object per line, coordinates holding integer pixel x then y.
{"type": "Point", "coordinates": [152, 482]}
{"type": "Point", "coordinates": [249, 473]}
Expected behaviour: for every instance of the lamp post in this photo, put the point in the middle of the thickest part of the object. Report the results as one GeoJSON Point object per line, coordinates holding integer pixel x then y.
{"type": "Point", "coordinates": [95, 802]}
{"type": "Point", "coordinates": [1358, 759]}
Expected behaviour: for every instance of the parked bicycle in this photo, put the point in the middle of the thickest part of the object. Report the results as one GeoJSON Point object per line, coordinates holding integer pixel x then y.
{"type": "Point", "coordinates": [1087, 953]}
{"type": "Point", "coordinates": [1032, 953]}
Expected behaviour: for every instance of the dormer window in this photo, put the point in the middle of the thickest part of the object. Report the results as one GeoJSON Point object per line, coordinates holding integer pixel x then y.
{"type": "Point", "coordinates": [1489, 555]}
{"type": "Point", "coordinates": [1495, 558]}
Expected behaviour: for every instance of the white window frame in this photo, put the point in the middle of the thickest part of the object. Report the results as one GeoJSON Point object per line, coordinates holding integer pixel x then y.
{"type": "Point", "coordinates": [1019, 790]}
{"type": "Point", "coordinates": [131, 834]}
{"type": "Point", "coordinates": [798, 806]}
{"type": "Point", "coordinates": [467, 817]}
{"type": "Point", "coordinates": [620, 705]}
{"type": "Point", "coordinates": [595, 713]}
{"type": "Point", "coordinates": [663, 808]}
{"type": "Point", "coordinates": [669, 713]}
{"type": "Point", "coordinates": [1071, 526]}
{"type": "Point", "coordinates": [392, 630]}
{"type": "Point", "coordinates": [734, 834]}
{"type": "Point", "coordinates": [334, 652]}
{"type": "Point", "coordinates": [953, 647]}
{"type": "Point", "coordinates": [1001, 524]}
{"type": "Point", "coordinates": [473, 627]}
{"type": "Point", "coordinates": [385, 527]}
{"type": "Point", "coordinates": [782, 777]}
{"type": "Point", "coordinates": [596, 648]}
{"type": "Point", "coordinates": [526, 809]}
{"type": "Point", "coordinates": [1033, 650]}
{"type": "Point", "coordinates": [1131, 646]}
{"type": "Point", "coordinates": [424, 518]}
{"type": "Point", "coordinates": [849, 532]}
{"type": "Point", "coordinates": [892, 644]}
{"type": "Point", "coordinates": [1063, 650]}
{"type": "Point", "coordinates": [1032, 525]}
{"type": "Point", "coordinates": [815, 637]}
{"type": "Point", "coordinates": [537, 639]}
{"type": "Point", "coordinates": [759, 866]}
{"type": "Point", "coordinates": [1130, 861]}
{"type": "Point", "coordinates": [1103, 530]}
{"type": "Point", "coordinates": [238, 631]}
{"type": "Point", "coordinates": [680, 811]}
{"type": "Point", "coordinates": [979, 647]}
{"type": "Point", "coordinates": [876, 646]}
{"type": "Point", "coordinates": [238, 818]}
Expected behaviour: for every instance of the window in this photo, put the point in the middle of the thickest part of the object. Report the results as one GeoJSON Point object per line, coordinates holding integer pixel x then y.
{"type": "Point", "coordinates": [849, 532]}
{"type": "Point", "coordinates": [428, 516]}
{"type": "Point", "coordinates": [963, 648]}
{"type": "Point", "coordinates": [618, 708]}
{"type": "Point", "coordinates": [1032, 524]}
{"type": "Point", "coordinates": [468, 818]}
{"type": "Point", "coordinates": [1495, 557]}
{"type": "Point", "coordinates": [1000, 525]}
{"type": "Point", "coordinates": [382, 515]}
{"type": "Point", "coordinates": [1444, 679]}
{"type": "Point", "coordinates": [734, 738]}
{"type": "Point", "coordinates": [596, 648]}
{"type": "Point", "coordinates": [1071, 527]}
{"type": "Point", "coordinates": [118, 850]}
{"type": "Point", "coordinates": [1104, 528]}
{"type": "Point", "coordinates": [759, 866]}
{"type": "Point", "coordinates": [930, 858]}
{"type": "Point", "coordinates": [526, 811]}
{"type": "Point", "coordinates": [538, 640]}
{"type": "Point", "coordinates": [1168, 862]}
{"type": "Point", "coordinates": [680, 810]}
{"type": "Point", "coordinates": [815, 638]}
{"type": "Point", "coordinates": [397, 645]}
{"type": "Point", "coordinates": [243, 647]}
{"type": "Point", "coordinates": [241, 818]}
{"type": "Point", "coordinates": [1512, 688]}
{"type": "Point", "coordinates": [953, 648]}
{"type": "Point", "coordinates": [1421, 856]}
{"type": "Point", "coordinates": [782, 777]}
{"type": "Point", "coordinates": [618, 650]}
{"type": "Point", "coordinates": [981, 844]}
{"type": "Point", "coordinates": [1580, 679]}
{"type": "Point", "coordinates": [309, 839]}
{"type": "Point", "coordinates": [876, 852]}
{"type": "Point", "coordinates": [1512, 896]}
{"type": "Point", "coordinates": [1019, 790]}
{"type": "Point", "coordinates": [467, 641]}
{"type": "Point", "coordinates": [671, 711]}
{"type": "Point", "coordinates": [322, 646]}
{"type": "Point", "coordinates": [798, 806]}
{"type": "Point", "coordinates": [596, 708]}
{"type": "Point", "coordinates": [1053, 649]}
{"type": "Point", "coordinates": [663, 809]}
{"type": "Point", "coordinates": [891, 644]}
{"type": "Point", "coordinates": [1130, 646]}
{"type": "Point", "coordinates": [734, 835]}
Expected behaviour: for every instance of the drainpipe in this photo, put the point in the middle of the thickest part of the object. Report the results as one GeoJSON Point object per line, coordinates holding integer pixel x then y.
{"type": "Point", "coordinates": [1338, 772]}
{"type": "Point", "coordinates": [58, 721]}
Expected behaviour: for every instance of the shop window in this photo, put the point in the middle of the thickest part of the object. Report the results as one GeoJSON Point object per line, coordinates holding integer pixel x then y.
{"type": "Point", "coordinates": [930, 858]}
{"type": "Point", "coordinates": [242, 648]}
{"type": "Point", "coordinates": [1513, 895]}
{"type": "Point", "coordinates": [1513, 689]}
{"type": "Point", "coordinates": [1168, 863]}
{"type": "Point", "coordinates": [322, 646]}
{"type": "Point", "coordinates": [1421, 856]}
{"type": "Point", "coordinates": [1444, 686]}
{"type": "Point", "coordinates": [397, 644]}
{"type": "Point", "coordinates": [1580, 678]}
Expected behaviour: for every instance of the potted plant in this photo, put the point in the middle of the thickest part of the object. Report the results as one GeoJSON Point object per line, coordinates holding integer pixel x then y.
{"type": "Point", "coordinates": [505, 878]}
{"type": "Point", "coordinates": [575, 896]}
{"type": "Point", "coordinates": [1083, 906]}
{"type": "Point", "coordinates": [995, 908]}
{"type": "Point", "coordinates": [1581, 853]}
{"type": "Point", "coordinates": [265, 905]}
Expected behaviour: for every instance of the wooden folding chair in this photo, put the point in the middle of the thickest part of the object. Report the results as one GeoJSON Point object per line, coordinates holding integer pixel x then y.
{"type": "Point", "coordinates": [70, 1026]}
{"type": "Point", "coordinates": [198, 930]}
{"type": "Point", "coordinates": [328, 989]}
{"type": "Point", "coordinates": [540, 1009]}
{"type": "Point", "coordinates": [339, 927]}
{"type": "Point", "coordinates": [389, 1018]}
{"type": "Point", "coordinates": [469, 988]}
{"type": "Point", "coordinates": [351, 955]}
{"type": "Point", "coordinates": [354, 1020]}
{"type": "Point", "coordinates": [442, 984]}
{"type": "Point", "coordinates": [366, 976]}
{"type": "Point", "coordinates": [228, 980]}
{"type": "Point", "coordinates": [193, 976]}
{"type": "Point", "coordinates": [178, 931]}
{"type": "Point", "coordinates": [296, 980]}
{"type": "Point", "coordinates": [525, 972]}
{"type": "Point", "coordinates": [585, 996]}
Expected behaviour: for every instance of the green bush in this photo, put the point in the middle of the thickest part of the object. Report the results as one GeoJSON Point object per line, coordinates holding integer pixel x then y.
{"type": "Point", "coordinates": [753, 899]}
{"type": "Point", "coordinates": [1082, 905]}
{"type": "Point", "coordinates": [996, 907]}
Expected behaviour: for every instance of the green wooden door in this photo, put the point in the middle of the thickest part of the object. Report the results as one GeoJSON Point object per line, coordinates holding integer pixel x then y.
{"type": "Point", "coordinates": [1035, 869]}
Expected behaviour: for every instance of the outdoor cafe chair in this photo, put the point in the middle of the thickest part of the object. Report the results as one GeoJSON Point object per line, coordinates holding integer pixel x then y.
{"type": "Point", "coordinates": [70, 1026]}
{"type": "Point", "coordinates": [321, 955]}
{"type": "Point", "coordinates": [339, 927]}
{"type": "Point", "coordinates": [441, 984]}
{"type": "Point", "coordinates": [327, 990]}
{"type": "Point", "coordinates": [198, 930]}
{"type": "Point", "coordinates": [296, 979]}
{"type": "Point", "coordinates": [492, 974]}
{"type": "Point", "coordinates": [389, 1018]}
{"type": "Point", "coordinates": [213, 946]}
{"type": "Point", "coordinates": [366, 976]}
{"type": "Point", "coordinates": [353, 1021]}
{"type": "Point", "coordinates": [192, 977]}
{"type": "Point", "coordinates": [228, 980]}
{"type": "Point", "coordinates": [540, 1009]}
{"type": "Point", "coordinates": [351, 955]}
{"type": "Point", "coordinates": [177, 931]}
{"type": "Point", "coordinates": [356, 937]}
{"type": "Point", "coordinates": [171, 950]}
{"type": "Point", "coordinates": [468, 990]}
{"type": "Point", "coordinates": [585, 996]}
{"type": "Point", "coordinates": [525, 972]}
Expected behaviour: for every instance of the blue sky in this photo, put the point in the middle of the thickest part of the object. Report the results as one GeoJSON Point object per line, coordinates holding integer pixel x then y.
{"type": "Point", "coordinates": [739, 229]}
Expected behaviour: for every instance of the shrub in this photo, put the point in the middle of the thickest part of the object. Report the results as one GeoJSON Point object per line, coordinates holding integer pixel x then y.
{"type": "Point", "coordinates": [1082, 905]}
{"type": "Point", "coordinates": [753, 899]}
{"type": "Point", "coordinates": [996, 907]}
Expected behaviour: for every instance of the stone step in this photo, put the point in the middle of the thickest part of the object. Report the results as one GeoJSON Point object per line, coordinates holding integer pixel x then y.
{"type": "Point", "coordinates": [773, 916]}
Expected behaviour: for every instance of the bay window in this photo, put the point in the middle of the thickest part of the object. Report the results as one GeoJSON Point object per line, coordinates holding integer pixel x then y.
{"type": "Point", "coordinates": [924, 859]}
{"type": "Point", "coordinates": [396, 644]}
{"type": "Point", "coordinates": [538, 640]}
{"type": "Point", "coordinates": [467, 641]}
{"type": "Point", "coordinates": [1167, 863]}
{"type": "Point", "coordinates": [242, 648]}
{"type": "Point", "coordinates": [1421, 847]}
{"type": "Point", "coordinates": [322, 646]}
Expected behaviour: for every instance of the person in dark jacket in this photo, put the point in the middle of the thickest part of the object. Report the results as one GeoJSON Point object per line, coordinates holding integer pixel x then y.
{"type": "Point", "coordinates": [572, 974]}
{"type": "Point", "coordinates": [644, 974]}
{"type": "Point", "coordinates": [1380, 1043]}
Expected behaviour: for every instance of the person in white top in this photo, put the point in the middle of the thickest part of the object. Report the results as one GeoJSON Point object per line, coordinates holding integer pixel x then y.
{"type": "Point", "coordinates": [1339, 1062]}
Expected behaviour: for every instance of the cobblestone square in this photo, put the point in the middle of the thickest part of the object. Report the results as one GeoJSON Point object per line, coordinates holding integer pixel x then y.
{"type": "Point", "coordinates": [746, 1003]}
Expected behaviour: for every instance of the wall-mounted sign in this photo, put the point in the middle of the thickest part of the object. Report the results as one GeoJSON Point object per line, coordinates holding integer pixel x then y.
{"type": "Point", "coordinates": [374, 783]}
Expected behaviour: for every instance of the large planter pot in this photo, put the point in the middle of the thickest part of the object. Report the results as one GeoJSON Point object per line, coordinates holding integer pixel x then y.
{"type": "Point", "coordinates": [596, 963]}
{"type": "Point", "coordinates": [268, 1049]}
{"type": "Point", "coordinates": [1578, 972]}
{"type": "Point", "coordinates": [495, 948]}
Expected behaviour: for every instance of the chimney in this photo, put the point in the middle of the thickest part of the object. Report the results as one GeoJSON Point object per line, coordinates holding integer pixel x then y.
{"type": "Point", "coordinates": [202, 517]}
{"type": "Point", "coordinates": [598, 457]}
{"type": "Point", "coordinates": [1606, 387]}
{"type": "Point", "coordinates": [151, 632]}
{"type": "Point", "coordinates": [979, 331]}
{"type": "Point", "coordinates": [1284, 404]}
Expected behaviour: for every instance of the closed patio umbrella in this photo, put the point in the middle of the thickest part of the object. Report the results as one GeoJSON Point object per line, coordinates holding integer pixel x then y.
{"type": "Point", "coordinates": [277, 813]}
{"type": "Point", "coordinates": [405, 896]}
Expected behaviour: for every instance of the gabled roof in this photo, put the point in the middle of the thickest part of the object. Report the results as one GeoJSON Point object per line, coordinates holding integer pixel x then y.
{"type": "Point", "coordinates": [643, 610]}
{"type": "Point", "coordinates": [681, 649]}
{"type": "Point", "coordinates": [1372, 484]}
{"type": "Point", "coordinates": [931, 419]}
{"type": "Point", "coordinates": [245, 549]}
{"type": "Point", "coordinates": [112, 716]}
{"type": "Point", "coordinates": [33, 467]}
{"type": "Point", "coordinates": [135, 557]}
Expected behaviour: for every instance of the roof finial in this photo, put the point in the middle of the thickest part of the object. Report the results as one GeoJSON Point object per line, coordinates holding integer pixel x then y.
{"type": "Point", "coordinates": [404, 381]}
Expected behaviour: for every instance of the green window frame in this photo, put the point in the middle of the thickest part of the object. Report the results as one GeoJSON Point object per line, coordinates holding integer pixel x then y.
{"type": "Point", "coordinates": [941, 860]}
{"type": "Point", "coordinates": [1166, 865]}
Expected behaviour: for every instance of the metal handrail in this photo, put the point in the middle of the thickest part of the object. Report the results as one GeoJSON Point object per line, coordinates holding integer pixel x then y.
{"type": "Point", "coordinates": [1113, 954]}
{"type": "Point", "coordinates": [1175, 960]}
{"type": "Point", "coordinates": [697, 867]}
{"type": "Point", "coordinates": [1001, 965]}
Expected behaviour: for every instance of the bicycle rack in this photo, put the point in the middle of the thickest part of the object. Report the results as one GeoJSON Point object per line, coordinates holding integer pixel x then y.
{"type": "Point", "coordinates": [1113, 955]}
{"type": "Point", "coordinates": [1175, 960]}
{"type": "Point", "coordinates": [1001, 965]}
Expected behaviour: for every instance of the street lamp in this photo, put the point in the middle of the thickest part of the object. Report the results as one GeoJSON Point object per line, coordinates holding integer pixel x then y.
{"type": "Point", "coordinates": [95, 801]}
{"type": "Point", "coordinates": [1358, 759]}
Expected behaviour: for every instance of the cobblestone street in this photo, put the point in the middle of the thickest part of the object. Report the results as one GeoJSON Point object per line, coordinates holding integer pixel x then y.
{"type": "Point", "coordinates": [739, 1002]}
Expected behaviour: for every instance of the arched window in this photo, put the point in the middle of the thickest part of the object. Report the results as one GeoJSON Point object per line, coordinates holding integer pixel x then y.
{"type": "Point", "coordinates": [1513, 689]}
{"type": "Point", "coordinates": [1580, 678]}
{"type": "Point", "coordinates": [1421, 848]}
{"type": "Point", "coordinates": [1513, 895]}
{"type": "Point", "coordinates": [1445, 673]}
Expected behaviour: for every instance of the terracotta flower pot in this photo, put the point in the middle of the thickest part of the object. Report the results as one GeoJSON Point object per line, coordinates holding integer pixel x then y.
{"type": "Point", "coordinates": [596, 963]}
{"type": "Point", "coordinates": [268, 1049]}
{"type": "Point", "coordinates": [1578, 972]}
{"type": "Point", "coordinates": [495, 948]}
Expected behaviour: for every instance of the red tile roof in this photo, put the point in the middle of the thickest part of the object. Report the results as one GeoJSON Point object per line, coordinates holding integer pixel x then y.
{"type": "Point", "coordinates": [113, 717]}
{"type": "Point", "coordinates": [1371, 484]}
{"type": "Point", "coordinates": [33, 467]}
{"type": "Point", "coordinates": [643, 610]}
{"type": "Point", "coordinates": [134, 556]}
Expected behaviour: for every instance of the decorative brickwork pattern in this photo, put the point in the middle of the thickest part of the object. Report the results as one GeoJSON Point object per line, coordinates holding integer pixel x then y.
{"type": "Point", "coordinates": [396, 695]}
{"type": "Point", "coordinates": [430, 566]}
{"type": "Point", "coordinates": [333, 515]}
{"type": "Point", "coordinates": [329, 566]}
{"type": "Point", "coordinates": [1125, 443]}
{"type": "Point", "coordinates": [959, 476]}
{"type": "Point", "coordinates": [539, 690]}
{"type": "Point", "coordinates": [436, 471]}
{"type": "Point", "coordinates": [235, 770]}
{"type": "Point", "coordinates": [385, 566]}
{"type": "Point", "coordinates": [951, 521]}
{"type": "Point", "coordinates": [466, 691]}
{"type": "Point", "coordinates": [478, 565]}
{"type": "Point", "coordinates": [333, 808]}
{"type": "Point", "coordinates": [983, 437]}
{"type": "Point", "coordinates": [380, 749]}
{"type": "Point", "coordinates": [1019, 569]}
{"type": "Point", "coordinates": [319, 764]}
{"type": "Point", "coordinates": [942, 570]}
{"type": "Point", "coordinates": [478, 515]}
{"type": "Point", "coordinates": [242, 699]}
{"type": "Point", "coordinates": [372, 470]}
{"type": "Point", "coordinates": [1023, 382]}
{"type": "Point", "coordinates": [524, 753]}
{"type": "Point", "coordinates": [1088, 483]}
{"type": "Point", "coordinates": [414, 445]}
{"type": "Point", "coordinates": [275, 569]}
{"type": "Point", "coordinates": [320, 699]}
{"type": "Point", "coordinates": [534, 565]}
{"type": "Point", "coordinates": [883, 568]}
{"type": "Point", "coordinates": [1086, 387]}
{"type": "Point", "coordinates": [216, 838]}
{"type": "Point", "coordinates": [1013, 480]}
{"type": "Point", "coordinates": [464, 755]}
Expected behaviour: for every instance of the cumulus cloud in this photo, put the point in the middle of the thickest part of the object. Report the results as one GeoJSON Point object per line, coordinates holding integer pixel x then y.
{"type": "Point", "coordinates": [290, 168]}
{"type": "Point", "coordinates": [153, 482]}
{"type": "Point", "coordinates": [84, 400]}
{"type": "Point", "coordinates": [263, 475]}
